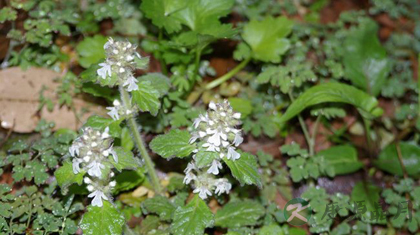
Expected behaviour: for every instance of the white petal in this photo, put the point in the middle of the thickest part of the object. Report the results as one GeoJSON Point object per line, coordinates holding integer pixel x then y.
{"type": "Point", "coordinates": [76, 165]}
{"type": "Point", "coordinates": [214, 168]}
{"type": "Point", "coordinates": [232, 154]}
{"type": "Point", "coordinates": [105, 71]}
{"type": "Point", "coordinates": [131, 84]}
{"type": "Point", "coordinates": [113, 113]}
{"type": "Point", "coordinates": [212, 105]}
{"type": "Point", "coordinates": [238, 139]}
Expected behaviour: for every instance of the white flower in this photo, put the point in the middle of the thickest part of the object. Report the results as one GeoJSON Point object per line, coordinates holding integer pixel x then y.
{"type": "Point", "coordinates": [95, 169]}
{"type": "Point", "coordinates": [232, 154]}
{"type": "Point", "coordinates": [194, 137]}
{"type": "Point", "coordinates": [201, 118]}
{"type": "Point", "coordinates": [189, 177]}
{"type": "Point", "coordinates": [213, 106]}
{"type": "Point", "coordinates": [211, 147]}
{"type": "Point", "coordinates": [216, 137]}
{"type": "Point", "coordinates": [238, 139]}
{"type": "Point", "coordinates": [105, 134]}
{"type": "Point", "coordinates": [131, 83]}
{"type": "Point", "coordinates": [76, 165]}
{"type": "Point", "coordinates": [203, 192]}
{"type": "Point", "coordinates": [222, 186]}
{"type": "Point", "coordinates": [74, 149]}
{"type": "Point", "coordinates": [97, 198]}
{"type": "Point", "coordinates": [191, 166]}
{"type": "Point", "coordinates": [237, 115]}
{"type": "Point", "coordinates": [214, 168]}
{"type": "Point", "coordinates": [105, 71]}
{"type": "Point", "coordinates": [109, 43]}
{"type": "Point", "coordinates": [113, 113]}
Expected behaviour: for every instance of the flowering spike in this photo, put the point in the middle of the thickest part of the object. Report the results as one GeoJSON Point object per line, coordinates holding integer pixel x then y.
{"type": "Point", "coordinates": [214, 132]}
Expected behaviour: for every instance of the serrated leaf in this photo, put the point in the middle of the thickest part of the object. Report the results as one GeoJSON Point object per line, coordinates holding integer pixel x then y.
{"type": "Point", "coordinates": [101, 123]}
{"type": "Point", "coordinates": [159, 82]}
{"type": "Point", "coordinates": [161, 13]}
{"type": "Point", "coordinates": [105, 220]}
{"type": "Point", "coordinates": [147, 97]}
{"type": "Point", "coordinates": [343, 159]}
{"type": "Point", "coordinates": [160, 205]}
{"type": "Point", "coordinates": [127, 180]}
{"type": "Point", "coordinates": [365, 61]}
{"type": "Point", "coordinates": [334, 92]}
{"type": "Point", "coordinates": [202, 16]}
{"type": "Point", "coordinates": [267, 38]}
{"type": "Point", "coordinates": [204, 158]}
{"type": "Point", "coordinates": [91, 50]}
{"type": "Point", "coordinates": [174, 143]}
{"type": "Point", "coordinates": [389, 162]}
{"type": "Point", "coordinates": [193, 218]}
{"type": "Point", "coordinates": [239, 213]}
{"type": "Point", "coordinates": [126, 160]}
{"type": "Point", "coordinates": [271, 230]}
{"type": "Point", "coordinates": [242, 106]}
{"type": "Point", "coordinates": [65, 175]}
{"type": "Point", "coordinates": [245, 169]}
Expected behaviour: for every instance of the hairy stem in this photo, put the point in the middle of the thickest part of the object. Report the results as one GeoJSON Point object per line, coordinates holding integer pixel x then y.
{"type": "Point", "coordinates": [228, 75]}
{"type": "Point", "coordinates": [138, 140]}
{"type": "Point", "coordinates": [304, 129]}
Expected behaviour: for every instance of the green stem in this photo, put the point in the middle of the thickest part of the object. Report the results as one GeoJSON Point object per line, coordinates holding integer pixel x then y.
{"type": "Point", "coordinates": [418, 84]}
{"type": "Point", "coordinates": [197, 62]}
{"type": "Point", "coordinates": [228, 75]}
{"type": "Point", "coordinates": [138, 140]}
{"type": "Point", "coordinates": [368, 135]}
{"type": "Point", "coordinates": [314, 133]}
{"type": "Point", "coordinates": [161, 60]}
{"type": "Point", "coordinates": [304, 129]}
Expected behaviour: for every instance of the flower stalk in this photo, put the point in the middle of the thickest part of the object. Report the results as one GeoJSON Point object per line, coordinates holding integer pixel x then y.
{"type": "Point", "coordinates": [138, 140]}
{"type": "Point", "coordinates": [228, 75]}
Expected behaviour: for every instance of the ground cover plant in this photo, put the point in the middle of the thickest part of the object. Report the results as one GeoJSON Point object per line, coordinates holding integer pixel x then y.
{"type": "Point", "coordinates": [194, 117]}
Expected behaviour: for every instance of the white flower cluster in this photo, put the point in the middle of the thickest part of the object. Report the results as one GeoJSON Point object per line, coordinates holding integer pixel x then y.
{"type": "Point", "coordinates": [215, 132]}
{"type": "Point", "coordinates": [90, 151]}
{"type": "Point", "coordinates": [120, 59]}
{"type": "Point", "coordinates": [118, 110]}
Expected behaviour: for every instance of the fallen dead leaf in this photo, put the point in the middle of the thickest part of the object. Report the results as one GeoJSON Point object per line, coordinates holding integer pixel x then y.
{"type": "Point", "coordinates": [19, 101]}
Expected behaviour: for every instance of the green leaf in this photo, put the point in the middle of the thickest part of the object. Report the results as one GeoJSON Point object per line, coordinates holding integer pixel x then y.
{"type": "Point", "coordinates": [245, 169]}
{"type": "Point", "coordinates": [127, 180]}
{"type": "Point", "coordinates": [242, 106]}
{"type": "Point", "coordinates": [91, 50]}
{"type": "Point", "coordinates": [7, 13]}
{"type": "Point", "coordinates": [66, 177]}
{"type": "Point", "coordinates": [365, 59]}
{"type": "Point", "coordinates": [267, 38]}
{"type": "Point", "coordinates": [192, 218]}
{"type": "Point", "coordinates": [105, 220]}
{"type": "Point", "coordinates": [343, 159]}
{"type": "Point", "coordinates": [202, 16]}
{"type": "Point", "coordinates": [158, 81]}
{"type": "Point", "coordinates": [101, 123]}
{"type": "Point", "coordinates": [174, 143]}
{"type": "Point", "coordinates": [239, 213]}
{"type": "Point", "coordinates": [160, 205]}
{"type": "Point", "coordinates": [271, 229]}
{"type": "Point", "coordinates": [161, 13]}
{"type": "Point", "coordinates": [389, 162]}
{"type": "Point", "coordinates": [147, 97]}
{"type": "Point", "coordinates": [126, 160]}
{"type": "Point", "coordinates": [126, 139]}
{"type": "Point", "coordinates": [204, 158]}
{"type": "Point", "coordinates": [334, 92]}
{"type": "Point", "coordinates": [369, 195]}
